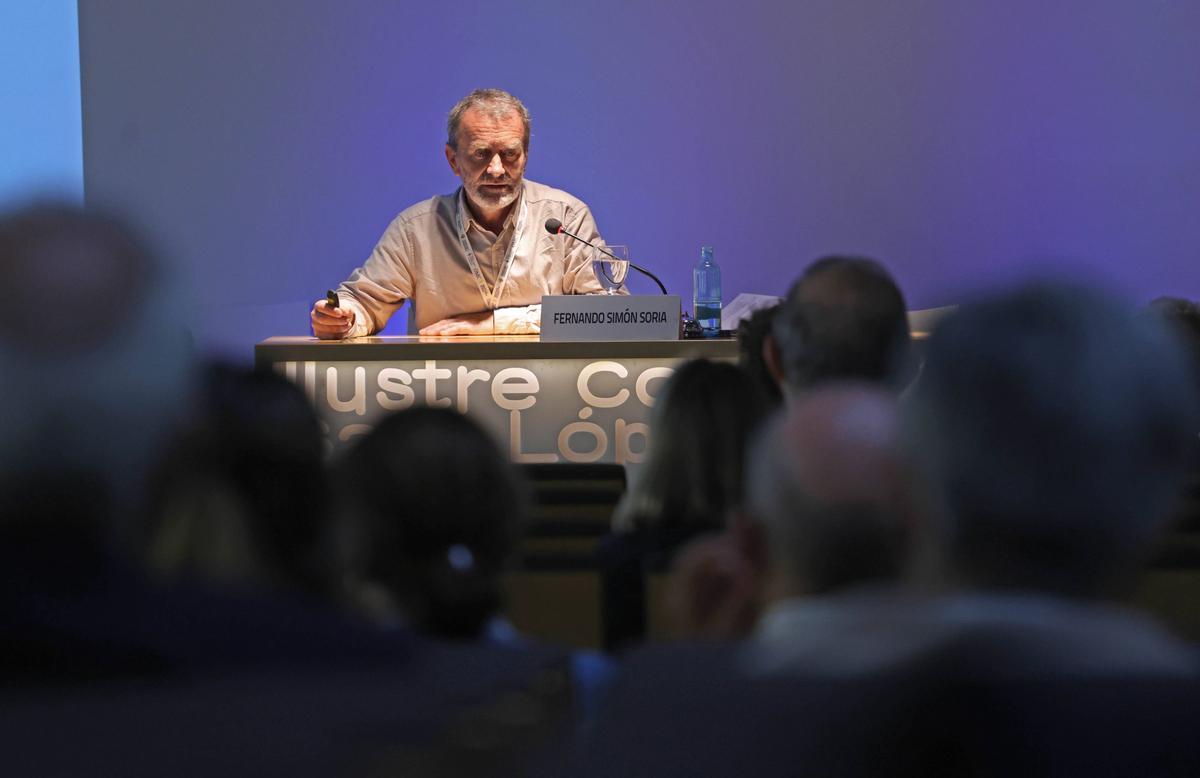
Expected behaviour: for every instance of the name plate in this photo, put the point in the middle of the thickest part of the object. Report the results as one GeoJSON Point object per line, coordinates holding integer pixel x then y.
{"type": "Point", "coordinates": [596, 317]}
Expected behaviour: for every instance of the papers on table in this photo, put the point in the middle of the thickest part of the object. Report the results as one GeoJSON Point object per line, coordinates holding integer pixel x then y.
{"type": "Point", "coordinates": [742, 306]}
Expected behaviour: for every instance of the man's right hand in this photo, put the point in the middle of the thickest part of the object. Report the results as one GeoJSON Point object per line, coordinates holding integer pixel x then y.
{"type": "Point", "coordinates": [330, 323]}
{"type": "Point", "coordinates": [712, 592]}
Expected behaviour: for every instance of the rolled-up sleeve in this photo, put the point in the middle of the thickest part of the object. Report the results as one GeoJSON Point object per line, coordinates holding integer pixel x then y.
{"type": "Point", "coordinates": [518, 320]}
{"type": "Point", "coordinates": [376, 290]}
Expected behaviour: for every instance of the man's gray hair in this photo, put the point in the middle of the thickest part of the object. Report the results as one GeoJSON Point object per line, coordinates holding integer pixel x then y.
{"type": "Point", "coordinates": [495, 103]}
{"type": "Point", "coordinates": [843, 522]}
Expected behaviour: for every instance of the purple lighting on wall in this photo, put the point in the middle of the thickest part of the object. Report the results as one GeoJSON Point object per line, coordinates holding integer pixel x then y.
{"type": "Point", "coordinates": [269, 144]}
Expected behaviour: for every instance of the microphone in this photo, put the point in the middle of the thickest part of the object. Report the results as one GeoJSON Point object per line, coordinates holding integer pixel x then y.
{"type": "Point", "coordinates": [555, 227]}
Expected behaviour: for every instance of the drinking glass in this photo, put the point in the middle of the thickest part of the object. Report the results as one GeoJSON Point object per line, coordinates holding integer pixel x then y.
{"type": "Point", "coordinates": [611, 270]}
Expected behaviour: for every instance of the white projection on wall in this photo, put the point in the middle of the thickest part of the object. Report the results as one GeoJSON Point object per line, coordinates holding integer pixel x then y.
{"type": "Point", "coordinates": [41, 136]}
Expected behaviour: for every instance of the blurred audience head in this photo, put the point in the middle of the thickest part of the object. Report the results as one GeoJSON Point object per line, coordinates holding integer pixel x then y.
{"type": "Point", "coordinates": [1186, 313]}
{"type": "Point", "coordinates": [843, 320]}
{"type": "Point", "coordinates": [94, 355]}
{"type": "Point", "coordinates": [1184, 317]}
{"type": "Point", "coordinates": [830, 488]}
{"type": "Point", "coordinates": [1053, 424]}
{"type": "Point", "coordinates": [431, 513]}
{"type": "Point", "coordinates": [240, 496]}
{"type": "Point", "coordinates": [754, 339]}
{"type": "Point", "coordinates": [702, 423]}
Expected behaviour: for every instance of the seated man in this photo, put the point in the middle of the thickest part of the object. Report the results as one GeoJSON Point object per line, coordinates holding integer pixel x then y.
{"type": "Point", "coordinates": [478, 261]}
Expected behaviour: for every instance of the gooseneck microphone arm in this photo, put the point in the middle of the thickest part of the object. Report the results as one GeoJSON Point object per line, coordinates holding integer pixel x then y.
{"type": "Point", "coordinates": [554, 227]}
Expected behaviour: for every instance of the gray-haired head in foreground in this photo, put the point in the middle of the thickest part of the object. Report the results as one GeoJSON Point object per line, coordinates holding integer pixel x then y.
{"type": "Point", "coordinates": [829, 482]}
{"type": "Point", "coordinates": [491, 102]}
{"type": "Point", "coordinates": [843, 319]}
{"type": "Point", "coordinates": [92, 342]}
{"type": "Point", "coordinates": [96, 365]}
{"type": "Point", "coordinates": [1053, 424]}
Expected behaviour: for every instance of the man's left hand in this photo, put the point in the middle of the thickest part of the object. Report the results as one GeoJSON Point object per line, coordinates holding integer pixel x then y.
{"type": "Point", "coordinates": [464, 324]}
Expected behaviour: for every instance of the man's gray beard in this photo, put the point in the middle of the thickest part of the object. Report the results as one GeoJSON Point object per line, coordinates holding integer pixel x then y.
{"type": "Point", "coordinates": [494, 203]}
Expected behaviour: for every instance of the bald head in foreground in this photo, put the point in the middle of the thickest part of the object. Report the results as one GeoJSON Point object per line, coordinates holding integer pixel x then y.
{"type": "Point", "coordinates": [829, 489]}
{"type": "Point", "coordinates": [828, 510]}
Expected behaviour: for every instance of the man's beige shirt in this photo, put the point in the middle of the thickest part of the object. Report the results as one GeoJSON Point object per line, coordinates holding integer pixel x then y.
{"type": "Point", "coordinates": [420, 258]}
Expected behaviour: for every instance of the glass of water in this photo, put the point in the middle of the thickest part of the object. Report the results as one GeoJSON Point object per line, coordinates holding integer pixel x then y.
{"type": "Point", "coordinates": [611, 270]}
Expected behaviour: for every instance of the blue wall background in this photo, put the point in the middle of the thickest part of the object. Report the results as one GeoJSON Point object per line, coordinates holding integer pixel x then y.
{"type": "Point", "coordinates": [41, 139]}
{"type": "Point", "coordinates": [267, 144]}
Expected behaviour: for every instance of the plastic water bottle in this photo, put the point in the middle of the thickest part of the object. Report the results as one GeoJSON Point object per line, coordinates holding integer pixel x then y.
{"type": "Point", "coordinates": [706, 293]}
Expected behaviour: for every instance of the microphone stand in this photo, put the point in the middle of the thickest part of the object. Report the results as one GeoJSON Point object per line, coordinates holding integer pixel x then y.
{"type": "Point", "coordinates": [638, 268]}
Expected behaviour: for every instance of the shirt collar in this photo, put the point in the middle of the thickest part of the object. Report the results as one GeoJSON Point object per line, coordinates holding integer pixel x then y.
{"type": "Point", "coordinates": [783, 617]}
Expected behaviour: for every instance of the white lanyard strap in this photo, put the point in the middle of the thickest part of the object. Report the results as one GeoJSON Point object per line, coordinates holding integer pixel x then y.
{"type": "Point", "coordinates": [491, 298]}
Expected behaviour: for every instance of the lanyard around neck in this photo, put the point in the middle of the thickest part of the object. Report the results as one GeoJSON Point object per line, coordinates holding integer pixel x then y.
{"type": "Point", "coordinates": [491, 298]}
